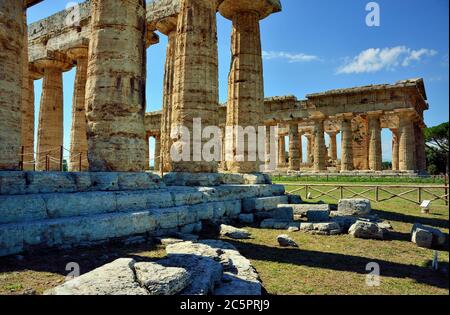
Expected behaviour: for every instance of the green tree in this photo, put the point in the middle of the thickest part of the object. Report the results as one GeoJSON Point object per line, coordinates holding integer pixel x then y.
{"type": "Point", "coordinates": [437, 150]}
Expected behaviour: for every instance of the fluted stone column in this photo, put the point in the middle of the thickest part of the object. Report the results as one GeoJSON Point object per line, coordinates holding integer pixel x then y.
{"type": "Point", "coordinates": [346, 145]}
{"type": "Point", "coordinates": [310, 148]}
{"type": "Point", "coordinates": [395, 150]}
{"type": "Point", "coordinates": [406, 142]}
{"type": "Point", "coordinates": [147, 152]}
{"type": "Point", "coordinates": [245, 83]}
{"type": "Point", "coordinates": [157, 153]}
{"type": "Point", "coordinates": [281, 151]}
{"type": "Point", "coordinates": [333, 145]}
{"type": "Point", "coordinates": [50, 129]}
{"type": "Point", "coordinates": [115, 90]}
{"type": "Point", "coordinates": [168, 27]}
{"type": "Point", "coordinates": [300, 147]}
{"type": "Point", "coordinates": [195, 92]}
{"type": "Point", "coordinates": [320, 163]}
{"type": "Point", "coordinates": [294, 150]}
{"type": "Point", "coordinates": [12, 46]}
{"type": "Point", "coordinates": [375, 155]}
{"type": "Point", "coordinates": [421, 162]}
{"type": "Point", "coordinates": [78, 134]}
{"type": "Point", "coordinates": [267, 148]}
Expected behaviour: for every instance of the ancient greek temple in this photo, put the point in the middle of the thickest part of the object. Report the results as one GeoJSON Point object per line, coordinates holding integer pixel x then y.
{"type": "Point", "coordinates": [107, 42]}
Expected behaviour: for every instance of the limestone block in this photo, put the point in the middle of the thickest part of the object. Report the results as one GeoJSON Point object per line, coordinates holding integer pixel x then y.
{"type": "Point", "coordinates": [275, 224]}
{"type": "Point", "coordinates": [115, 278]}
{"type": "Point", "coordinates": [11, 239]}
{"type": "Point", "coordinates": [82, 181]}
{"type": "Point", "coordinates": [105, 181]}
{"type": "Point", "coordinates": [284, 214]}
{"type": "Point", "coordinates": [187, 215]}
{"type": "Point", "coordinates": [140, 200]}
{"type": "Point", "coordinates": [439, 238]}
{"type": "Point", "coordinates": [285, 241]}
{"type": "Point", "coordinates": [368, 230]}
{"type": "Point", "coordinates": [263, 204]}
{"type": "Point", "coordinates": [161, 280]}
{"type": "Point", "coordinates": [19, 208]}
{"type": "Point", "coordinates": [185, 196]}
{"type": "Point", "coordinates": [49, 182]}
{"type": "Point", "coordinates": [232, 232]}
{"type": "Point", "coordinates": [302, 209]}
{"type": "Point", "coordinates": [421, 237]}
{"type": "Point", "coordinates": [354, 206]}
{"type": "Point", "coordinates": [318, 215]}
{"type": "Point", "coordinates": [295, 199]}
{"type": "Point", "coordinates": [78, 204]}
{"type": "Point", "coordinates": [227, 192]}
{"type": "Point", "coordinates": [12, 183]}
{"type": "Point", "coordinates": [232, 208]}
{"type": "Point", "coordinates": [271, 190]}
{"type": "Point", "coordinates": [189, 179]}
{"type": "Point", "coordinates": [138, 181]}
{"type": "Point", "coordinates": [205, 211]}
{"type": "Point", "coordinates": [168, 218]}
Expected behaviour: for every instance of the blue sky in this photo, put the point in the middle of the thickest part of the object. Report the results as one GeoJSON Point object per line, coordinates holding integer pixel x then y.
{"type": "Point", "coordinates": [317, 45]}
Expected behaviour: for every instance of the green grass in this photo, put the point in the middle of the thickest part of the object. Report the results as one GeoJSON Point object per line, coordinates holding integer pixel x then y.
{"type": "Point", "coordinates": [322, 264]}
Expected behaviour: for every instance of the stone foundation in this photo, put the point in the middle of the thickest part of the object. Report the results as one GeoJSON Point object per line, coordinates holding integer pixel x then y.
{"type": "Point", "coordinates": [44, 210]}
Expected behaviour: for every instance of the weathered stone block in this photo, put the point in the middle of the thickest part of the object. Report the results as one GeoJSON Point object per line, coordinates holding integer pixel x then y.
{"type": "Point", "coordinates": [168, 218]}
{"type": "Point", "coordinates": [20, 208]}
{"type": "Point", "coordinates": [302, 209]}
{"type": "Point", "coordinates": [246, 218]}
{"type": "Point", "coordinates": [105, 181]}
{"type": "Point", "coordinates": [204, 211]}
{"type": "Point", "coordinates": [12, 183]}
{"type": "Point", "coordinates": [185, 196]}
{"type": "Point", "coordinates": [11, 239]}
{"type": "Point", "coordinates": [78, 204]}
{"type": "Point", "coordinates": [354, 207]}
{"type": "Point", "coordinates": [138, 181]}
{"type": "Point", "coordinates": [50, 182]}
{"type": "Point", "coordinates": [263, 204]}
{"type": "Point", "coordinates": [318, 215]}
{"type": "Point", "coordinates": [422, 238]}
{"type": "Point", "coordinates": [160, 280]}
{"type": "Point", "coordinates": [439, 238]}
{"type": "Point", "coordinates": [368, 230]}
{"type": "Point", "coordinates": [284, 214]}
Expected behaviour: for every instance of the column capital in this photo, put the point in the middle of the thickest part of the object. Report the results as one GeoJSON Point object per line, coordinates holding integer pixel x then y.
{"type": "Point", "coordinates": [35, 72]}
{"type": "Point", "coordinates": [405, 112]}
{"type": "Point", "coordinates": [55, 59]}
{"type": "Point", "coordinates": [376, 113]}
{"type": "Point", "coordinates": [151, 38]}
{"type": "Point", "coordinates": [264, 8]}
{"type": "Point", "coordinates": [167, 25]}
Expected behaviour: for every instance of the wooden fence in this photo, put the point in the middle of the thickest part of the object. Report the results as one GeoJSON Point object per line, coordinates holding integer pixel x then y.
{"type": "Point", "coordinates": [375, 193]}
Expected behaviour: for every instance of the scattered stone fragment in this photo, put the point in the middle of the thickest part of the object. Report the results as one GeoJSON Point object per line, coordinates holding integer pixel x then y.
{"type": "Point", "coordinates": [422, 237]}
{"type": "Point", "coordinates": [232, 232]}
{"type": "Point", "coordinates": [115, 278]}
{"type": "Point", "coordinates": [438, 237]}
{"type": "Point", "coordinates": [367, 230]}
{"type": "Point", "coordinates": [301, 210]}
{"type": "Point", "coordinates": [165, 241]}
{"type": "Point", "coordinates": [285, 241]}
{"type": "Point", "coordinates": [275, 224]}
{"type": "Point", "coordinates": [161, 280]}
{"type": "Point", "coordinates": [354, 206]}
{"type": "Point", "coordinates": [323, 228]}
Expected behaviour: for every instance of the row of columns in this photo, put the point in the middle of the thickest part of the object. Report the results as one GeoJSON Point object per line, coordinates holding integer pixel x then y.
{"type": "Point", "coordinates": [408, 149]}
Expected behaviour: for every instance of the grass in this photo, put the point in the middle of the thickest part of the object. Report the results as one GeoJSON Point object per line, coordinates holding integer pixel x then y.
{"type": "Point", "coordinates": [322, 265]}
{"type": "Point", "coordinates": [369, 179]}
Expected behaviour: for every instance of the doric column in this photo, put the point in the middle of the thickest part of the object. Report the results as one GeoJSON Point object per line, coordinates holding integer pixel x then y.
{"type": "Point", "coordinates": [157, 152]}
{"type": "Point", "coordinates": [168, 27]}
{"type": "Point", "coordinates": [147, 152]}
{"type": "Point", "coordinates": [245, 84]}
{"type": "Point", "coordinates": [333, 146]}
{"type": "Point", "coordinates": [50, 128]}
{"type": "Point", "coordinates": [406, 141]}
{"type": "Point", "coordinates": [294, 151]}
{"type": "Point", "coordinates": [395, 148]}
{"type": "Point", "coordinates": [267, 148]}
{"type": "Point", "coordinates": [300, 147]}
{"type": "Point", "coordinates": [28, 118]}
{"type": "Point", "coordinates": [12, 47]}
{"type": "Point", "coordinates": [281, 151]}
{"type": "Point", "coordinates": [320, 163]}
{"type": "Point", "coordinates": [115, 90]}
{"type": "Point", "coordinates": [421, 162]}
{"type": "Point", "coordinates": [346, 144]}
{"type": "Point", "coordinates": [310, 148]}
{"type": "Point", "coordinates": [78, 132]}
{"type": "Point", "coordinates": [195, 94]}
{"type": "Point", "coordinates": [375, 155]}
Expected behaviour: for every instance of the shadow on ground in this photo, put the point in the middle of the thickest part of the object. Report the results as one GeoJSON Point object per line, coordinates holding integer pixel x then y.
{"type": "Point", "coordinates": [340, 262]}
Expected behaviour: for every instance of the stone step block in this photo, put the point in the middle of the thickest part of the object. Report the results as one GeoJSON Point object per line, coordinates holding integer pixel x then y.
{"type": "Point", "coordinates": [318, 215]}
{"type": "Point", "coordinates": [262, 204]}
{"type": "Point", "coordinates": [302, 209]}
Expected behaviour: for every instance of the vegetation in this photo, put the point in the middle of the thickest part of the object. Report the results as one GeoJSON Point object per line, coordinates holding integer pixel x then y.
{"type": "Point", "coordinates": [437, 150]}
{"type": "Point", "coordinates": [368, 179]}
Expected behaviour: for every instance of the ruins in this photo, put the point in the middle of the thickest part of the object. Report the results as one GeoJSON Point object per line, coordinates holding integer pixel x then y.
{"type": "Point", "coordinates": [107, 192]}
{"type": "Point", "coordinates": [71, 39]}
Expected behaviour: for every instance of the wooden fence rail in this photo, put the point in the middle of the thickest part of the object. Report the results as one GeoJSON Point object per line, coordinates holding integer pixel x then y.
{"type": "Point", "coordinates": [375, 193]}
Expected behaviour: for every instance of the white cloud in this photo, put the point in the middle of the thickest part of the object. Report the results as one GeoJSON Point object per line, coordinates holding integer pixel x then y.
{"type": "Point", "coordinates": [377, 59]}
{"type": "Point", "coordinates": [291, 58]}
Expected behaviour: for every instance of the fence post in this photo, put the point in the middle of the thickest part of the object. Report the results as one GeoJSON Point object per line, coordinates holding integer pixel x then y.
{"type": "Point", "coordinates": [419, 195]}
{"type": "Point", "coordinates": [342, 192]}
{"type": "Point", "coordinates": [306, 191]}
{"type": "Point", "coordinates": [61, 156]}
{"type": "Point", "coordinates": [446, 189]}
{"type": "Point", "coordinates": [377, 193]}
